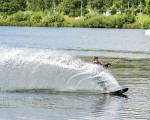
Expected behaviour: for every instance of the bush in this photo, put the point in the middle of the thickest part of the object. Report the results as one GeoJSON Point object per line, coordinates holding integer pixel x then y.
{"type": "Point", "coordinates": [10, 19]}
{"type": "Point", "coordinates": [136, 26]}
{"type": "Point", "coordinates": [146, 24]}
{"type": "Point", "coordinates": [19, 16]}
{"type": "Point", "coordinates": [129, 16]}
{"type": "Point", "coordinates": [71, 14]}
{"type": "Point", "coordinates": [79, 23]}
{"type": "Point", "coordinates": [27, 17]}
{"type": "Point", "coordinates": [59, 19]}
{"type": "Point", "coordinates": [36, 18]}
{"type": "Point", "coordinates": [119, 21]}
{"type": "Point", "coordinates": [68, 21]}
{"type": "Point", "coordinates": [56, 21]}
{"type": "Point", "coordinates": [1, 17]}
{"type": "Point", "coordinates": [48, 21]}
{"type": "Point", "coordinates": [127, 26]}
{"type": "Point", "coordinates": [95, 21]}
{"type": "Point", "coordinates": [108, 22]}
{"type": "Point", "coordinates": [100, 21]}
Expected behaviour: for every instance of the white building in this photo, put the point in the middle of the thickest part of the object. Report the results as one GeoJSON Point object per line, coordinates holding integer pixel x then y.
{"type": "Point", "coordinates": [107, 13]}
{"type": "Point", "coordinates": [118, 12]}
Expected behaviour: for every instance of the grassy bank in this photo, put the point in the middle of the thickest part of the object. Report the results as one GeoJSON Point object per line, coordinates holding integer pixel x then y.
{"type": "Point", "coordinates": [94, 20]}
{"type": "Point", "coordinates": [142, 22]}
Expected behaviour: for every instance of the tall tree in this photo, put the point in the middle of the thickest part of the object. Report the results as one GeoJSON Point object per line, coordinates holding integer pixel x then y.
{"type": "Point", "coordinates": [12, 6]}
{"type": "Point", "coordinates": [148, 7]}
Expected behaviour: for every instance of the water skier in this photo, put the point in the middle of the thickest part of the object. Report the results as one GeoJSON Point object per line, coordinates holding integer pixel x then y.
{"type": "Point", "coordinates": [101, 83]}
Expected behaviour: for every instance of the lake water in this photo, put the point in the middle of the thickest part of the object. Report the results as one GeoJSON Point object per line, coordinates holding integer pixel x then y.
{"type": "Point", "coordinates": [47, 74]}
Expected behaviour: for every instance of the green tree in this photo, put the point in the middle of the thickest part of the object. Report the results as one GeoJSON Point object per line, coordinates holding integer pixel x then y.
{"type": "Point", "coordinates": [41, 5]}
{"type": "Point", "coordinates": [147, 9]}
{"type": "Point", "coordinates": [73, 7]}
{"type": "Point", "coordinates": [12, 6]}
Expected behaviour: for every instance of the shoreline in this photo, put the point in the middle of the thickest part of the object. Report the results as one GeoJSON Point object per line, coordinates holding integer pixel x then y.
{"type": "Point", "coordinates": [76, 27]}
{"type": "Point", "coordinates": [117, 21]}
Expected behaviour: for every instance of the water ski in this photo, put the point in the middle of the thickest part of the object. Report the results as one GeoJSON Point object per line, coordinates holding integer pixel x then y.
{"type": "Point", "coordinates": [119, 92]}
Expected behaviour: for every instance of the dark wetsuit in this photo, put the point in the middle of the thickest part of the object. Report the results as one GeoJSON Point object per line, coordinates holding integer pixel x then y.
{"type": "Point", "coordinates": [101, 82]}
{"type": "Point", "coordinates": [103, 65]}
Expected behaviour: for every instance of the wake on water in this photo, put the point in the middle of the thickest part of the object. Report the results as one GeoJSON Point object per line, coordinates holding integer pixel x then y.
{"type": "Point", "coordinates": [34, 69]}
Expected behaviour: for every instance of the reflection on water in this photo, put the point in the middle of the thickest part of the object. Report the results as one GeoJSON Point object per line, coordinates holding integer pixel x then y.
{"type": "Point", "coordinates": [82, 106]}
{"type": "Point", "coordinates": [60, 106]}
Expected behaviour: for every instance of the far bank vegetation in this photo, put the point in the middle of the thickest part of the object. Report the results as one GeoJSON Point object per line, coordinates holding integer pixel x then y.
{"type": "Point", "coordinates": [133, 14]}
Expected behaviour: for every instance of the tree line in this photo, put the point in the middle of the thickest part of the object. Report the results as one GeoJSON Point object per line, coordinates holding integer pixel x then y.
{"type": "Point", "coordinates": [62, 13]}
{"type": "Point", "coordinates": [72, 7]}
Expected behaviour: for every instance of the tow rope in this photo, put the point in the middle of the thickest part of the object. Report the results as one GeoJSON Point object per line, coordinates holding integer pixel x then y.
{"type": "Point", "coordinates": [143, 45]}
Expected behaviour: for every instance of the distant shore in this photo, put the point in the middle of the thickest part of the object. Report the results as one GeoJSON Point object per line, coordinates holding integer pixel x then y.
{"type": "Point", "coordinates": [31, 19]}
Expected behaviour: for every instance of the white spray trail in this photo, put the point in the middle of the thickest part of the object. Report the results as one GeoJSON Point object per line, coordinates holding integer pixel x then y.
{"type": "Point", "coordinates": [33, 68]}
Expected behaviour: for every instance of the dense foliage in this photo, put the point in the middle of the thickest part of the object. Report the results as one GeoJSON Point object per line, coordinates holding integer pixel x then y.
{"type": "Point", "coordinates": [12, 6]}
{"type": "Point", "coordinates": [62, 13]}
{"type": "Point", "coordinates": [71, 7]}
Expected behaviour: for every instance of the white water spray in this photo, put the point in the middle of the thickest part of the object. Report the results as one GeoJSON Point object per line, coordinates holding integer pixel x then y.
{"type": "Point", "coordinates": [33, 68]}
